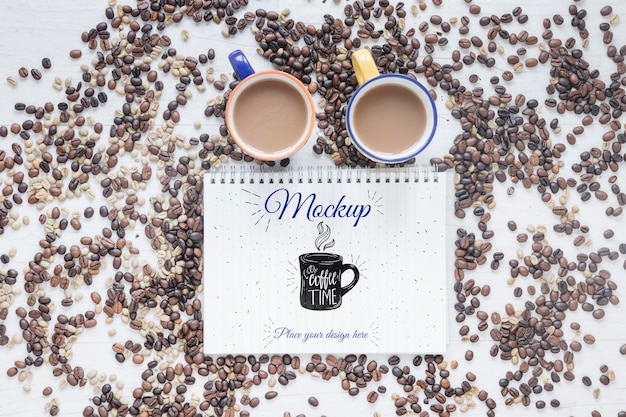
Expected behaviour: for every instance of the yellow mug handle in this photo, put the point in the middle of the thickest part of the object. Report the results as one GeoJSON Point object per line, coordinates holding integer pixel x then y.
{"type": "Point", "coordinates": [364, 65]}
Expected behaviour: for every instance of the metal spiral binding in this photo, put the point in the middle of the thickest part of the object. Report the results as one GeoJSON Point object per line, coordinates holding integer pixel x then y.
{"type": "Point", "coordinates": [323, 175]}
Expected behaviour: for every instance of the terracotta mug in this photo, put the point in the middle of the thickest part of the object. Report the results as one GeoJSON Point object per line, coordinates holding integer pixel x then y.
{"type": "Point", "coordinates": [269, 114]}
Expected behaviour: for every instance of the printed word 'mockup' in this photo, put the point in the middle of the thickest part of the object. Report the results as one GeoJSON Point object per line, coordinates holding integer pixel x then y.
{"type": "Point", "coordinates": [286, 204]}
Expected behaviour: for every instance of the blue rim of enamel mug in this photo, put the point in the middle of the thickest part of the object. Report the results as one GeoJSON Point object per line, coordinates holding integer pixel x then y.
{"type": "Point", "coordinates": [380, 158]}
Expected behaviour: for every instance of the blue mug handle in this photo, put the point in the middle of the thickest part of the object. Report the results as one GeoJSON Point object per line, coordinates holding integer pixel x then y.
{"type": "Point", "coordinates": [240, 64]}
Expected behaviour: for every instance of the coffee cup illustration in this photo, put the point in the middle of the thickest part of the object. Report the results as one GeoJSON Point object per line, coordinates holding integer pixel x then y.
{"type": "Point", "coordinates": [321, 274]}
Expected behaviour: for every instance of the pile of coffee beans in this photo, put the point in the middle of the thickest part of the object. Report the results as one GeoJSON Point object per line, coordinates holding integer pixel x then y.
{"type": "Point", "coordinates": [61, 152]}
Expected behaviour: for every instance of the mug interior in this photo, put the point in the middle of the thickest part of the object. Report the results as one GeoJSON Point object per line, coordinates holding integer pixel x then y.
{"type": "Point", "coordinates": [430, 119]}
{"type": "Point", "coordinates": [267, 120]}
{"type": "Point", "coordinates": [321, 258]}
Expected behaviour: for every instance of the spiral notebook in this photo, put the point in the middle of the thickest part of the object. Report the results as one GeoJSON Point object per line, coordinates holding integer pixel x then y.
{"type": "Point", "coordinates": [325, 260]}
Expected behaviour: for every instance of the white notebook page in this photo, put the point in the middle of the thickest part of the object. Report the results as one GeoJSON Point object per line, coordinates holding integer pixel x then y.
{"type": "Point", "coordinates": [325, 261]}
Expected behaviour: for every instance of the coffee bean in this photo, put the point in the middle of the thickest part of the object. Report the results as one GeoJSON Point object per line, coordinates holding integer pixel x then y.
{"type": "Point", "coordinates": [474, 9]}
{"type": "Point", "coordinates": [372, 397]}
{"type": "Point", "coordinates": [606, 10]}
{"type": "Point", "coordinates": [531, 62]}
{"type": "Point", "coordinates": [35, 73]}
{"type": "Point", "coordinates": [431, 38]}
{"type": "Point", "coordinates": [490, 403]}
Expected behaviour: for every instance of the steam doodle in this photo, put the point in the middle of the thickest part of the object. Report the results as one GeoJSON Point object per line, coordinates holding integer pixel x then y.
{"type": "Point", "coordinates": [323, 238]}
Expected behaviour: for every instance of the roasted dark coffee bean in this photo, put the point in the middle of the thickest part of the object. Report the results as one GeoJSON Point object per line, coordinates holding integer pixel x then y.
{"type": "Point", "coordinates": [606, 10]}
{"type": "Point", "coordinates": [35, 73]}
{"type": "Point", "coordinates": [372, 397]}
{"type": "Point", "coordinates": [393, 360]}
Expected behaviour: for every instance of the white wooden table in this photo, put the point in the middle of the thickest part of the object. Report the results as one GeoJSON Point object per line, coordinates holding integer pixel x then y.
{"type": "Point", "coordinates": [34, 29]}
